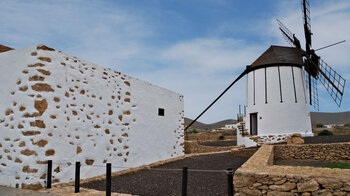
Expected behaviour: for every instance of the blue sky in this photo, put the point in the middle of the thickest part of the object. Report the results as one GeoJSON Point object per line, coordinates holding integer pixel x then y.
{"type": "Point", "coordinates": [193, 47]}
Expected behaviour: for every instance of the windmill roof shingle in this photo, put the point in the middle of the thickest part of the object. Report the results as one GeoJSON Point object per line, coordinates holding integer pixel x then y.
{"type": "Point", "coordinates": [280, 55]}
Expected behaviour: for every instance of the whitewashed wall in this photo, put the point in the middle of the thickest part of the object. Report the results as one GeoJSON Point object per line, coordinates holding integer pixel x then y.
{"type": "Point", "coordinates": [57, 107]}
{"type": "Point", "coordinates": [275, 117]}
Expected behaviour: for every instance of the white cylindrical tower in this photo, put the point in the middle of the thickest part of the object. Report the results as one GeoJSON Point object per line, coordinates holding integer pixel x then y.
{"type": "Point", "coordinates": [277, 103]}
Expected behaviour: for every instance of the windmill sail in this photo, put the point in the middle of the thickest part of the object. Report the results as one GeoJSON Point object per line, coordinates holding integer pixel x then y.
{"type": "Point", "coordinates": [313, 93]}
{"type": "Point", "coordinates": [288, 35]}
{"type": "Point", "coordinates": [307, 23]}
{"type": "Point", "coordinates": [332, 81]}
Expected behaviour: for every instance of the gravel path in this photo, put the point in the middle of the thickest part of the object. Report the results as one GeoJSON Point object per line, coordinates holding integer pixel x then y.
{"type": "Point", "coordinates": [219, 143]}
{"type": "Point", "coordinates": [327, 139]}
{"type": "Point", "coordinates": [159, 182]}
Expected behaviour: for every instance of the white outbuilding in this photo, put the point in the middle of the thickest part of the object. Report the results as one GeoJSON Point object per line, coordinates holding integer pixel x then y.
{"type": "Point", "coordinates": [277, 100]}
{"type": "Point", "coordinates": [58, 107]}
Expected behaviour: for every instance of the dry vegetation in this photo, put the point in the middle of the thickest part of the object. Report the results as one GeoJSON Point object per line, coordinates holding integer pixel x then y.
{"type": "Point", "coordinates": [336, 130]}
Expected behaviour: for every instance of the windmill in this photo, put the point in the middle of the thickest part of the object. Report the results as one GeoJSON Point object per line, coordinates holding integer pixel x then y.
{"type": "Point", "coordinates": [315, 67]}
{"type": "Point", "coordinates": [281, 84]}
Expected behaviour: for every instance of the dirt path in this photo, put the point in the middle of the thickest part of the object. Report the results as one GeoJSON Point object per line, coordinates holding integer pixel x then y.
{"type": "Point", "coordinates": [168, 182]}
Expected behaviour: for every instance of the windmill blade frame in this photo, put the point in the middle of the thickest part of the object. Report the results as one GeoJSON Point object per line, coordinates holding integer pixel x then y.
{"type": "Point", "coordinates": [311, 83]}
{"type": "Point", "coordinates": [332, 81]}
{"type": "Point", "coordinates": [305, 5]}
{"type": "Point", "coordinates": [288, 35]}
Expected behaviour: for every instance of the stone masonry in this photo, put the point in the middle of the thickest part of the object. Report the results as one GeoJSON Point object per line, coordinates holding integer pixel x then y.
{"type": "Point", "coordinates": [258, 176]}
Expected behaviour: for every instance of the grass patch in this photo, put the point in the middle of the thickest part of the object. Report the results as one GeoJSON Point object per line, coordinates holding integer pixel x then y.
{"type": "Point", "coordinates": [340, 165]}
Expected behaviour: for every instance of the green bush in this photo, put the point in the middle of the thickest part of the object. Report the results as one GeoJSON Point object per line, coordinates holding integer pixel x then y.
{"type": "Point", "coordinates": [192, 131]}
{"type": "Point", "coordinates": [340, 165]}
{"type": "Point", "coordinates": [325, 132]}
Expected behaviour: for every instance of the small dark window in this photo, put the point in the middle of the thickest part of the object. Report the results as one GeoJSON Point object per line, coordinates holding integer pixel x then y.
{"type": "Point", "coordinates": [160, 111]}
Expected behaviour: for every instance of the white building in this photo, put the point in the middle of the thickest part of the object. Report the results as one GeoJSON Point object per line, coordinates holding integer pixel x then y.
{"type": "Point", "coordinates": [230, 126]}
{"type": "Point", "coordinates": [58, 107]}
{"type": "Point", "coordinates": [277, 101]}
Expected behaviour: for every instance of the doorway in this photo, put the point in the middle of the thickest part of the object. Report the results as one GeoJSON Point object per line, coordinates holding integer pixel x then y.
{"type": "Point", "coordinates": [253, 123]}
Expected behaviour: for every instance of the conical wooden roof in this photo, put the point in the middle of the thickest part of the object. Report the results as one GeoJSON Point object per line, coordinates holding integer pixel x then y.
{"type": "Point", "coordinates": [280, 55]}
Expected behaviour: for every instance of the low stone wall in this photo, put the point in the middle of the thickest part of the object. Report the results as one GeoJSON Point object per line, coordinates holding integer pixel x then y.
{"type": "Point", "coordinates": [195, 147]}
{"type": "Point", "coordinates": [333, 151]}
{"type": "Point", "coordinates": [244, 152]}
{"type": "Point", "coordinates": [203, 136]}
{"type": "Point", "coordinates": [258, 176]}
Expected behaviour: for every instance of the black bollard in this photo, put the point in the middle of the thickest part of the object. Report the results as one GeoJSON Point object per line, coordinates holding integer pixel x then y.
{"type": "Point", "coordinates": [184, 181]}
{"type": "Point", "coordinates": [49, 173]}
{"type": "Point", "coordinates": [108, 179]}
{"type": "Point", "coordinates": [77, 177]}
{"type": "Point", "coordinates": [229, 181]}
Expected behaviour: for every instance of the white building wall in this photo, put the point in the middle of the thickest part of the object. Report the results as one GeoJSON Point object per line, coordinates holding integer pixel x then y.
{"type": "Point", "coordinates": [285, 112]}
{"type": "Point", "coordinates": [65, 109]}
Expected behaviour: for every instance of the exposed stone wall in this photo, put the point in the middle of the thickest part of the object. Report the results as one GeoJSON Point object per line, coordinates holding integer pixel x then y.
{"type": "Point", "coordinates": [244, 152]}
{"type": "Point", "coordinates": [313, 151]}
{"type": "Point", "coordinates": [258, 176]}
{"type": "Point", "coordinates": [4, 48]}
{"type": "Point", "coordinates": [263, 139]}
{"type": "Point", "coordinates": [194, 147]}
{"type": "Point", "coordinates": [208, 136]}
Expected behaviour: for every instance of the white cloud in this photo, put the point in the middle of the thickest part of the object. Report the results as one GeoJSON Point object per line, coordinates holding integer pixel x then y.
{"type": "Point", "coordinates": [211, 55]}
{"type": "Point", "coordinates": [92, 30]}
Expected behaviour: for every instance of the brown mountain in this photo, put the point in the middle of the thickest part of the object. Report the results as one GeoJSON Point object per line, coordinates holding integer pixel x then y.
{"type": "Point", "coordinates": [202, 126]}
{"type": "Point", "coordinates": [330, 118]}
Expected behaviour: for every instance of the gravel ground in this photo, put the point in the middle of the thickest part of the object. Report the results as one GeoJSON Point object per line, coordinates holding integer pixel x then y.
{"type": "Point", "coordinates": [165, 182]}
{"type": "Point", "coordinates": [219, 143]}
{"type": "Point", "coordinates": [327, 139]}
{"type": "Point", "coordinates": [160, 182]}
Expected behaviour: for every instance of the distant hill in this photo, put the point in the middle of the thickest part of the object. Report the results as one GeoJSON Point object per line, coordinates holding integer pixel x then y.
{"type": "Point", "coordinates": [330, 118]}
{"type": "Point", "coordinates": [199, 125]}
{"type": "Point", "coordinates": [316, 117]}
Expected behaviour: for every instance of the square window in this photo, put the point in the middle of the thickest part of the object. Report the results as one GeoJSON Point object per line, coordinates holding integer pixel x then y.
{"type": "Point", "coordinates": [160, 111]}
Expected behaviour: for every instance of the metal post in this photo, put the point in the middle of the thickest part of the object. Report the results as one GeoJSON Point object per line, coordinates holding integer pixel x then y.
{"type": "Point", "coordinates": [229, 181]}
{"type": "Point", "coordinates": [49, 173]}
{"type": "Point", "coordinates": [108, 179]}
{"type": "Point", "coordinates": [77, 177]}
{"type": "Point", "coordinates": [184, 181]}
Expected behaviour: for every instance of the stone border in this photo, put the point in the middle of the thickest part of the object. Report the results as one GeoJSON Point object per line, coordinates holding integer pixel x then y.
{"type": "Point", "coordinates": [331, 151]}
{"type": "Point", "coordinates": [258, 176]}
{"type": "Point", "coordinates": [244, 152]}
{"type": "Point", "coordinates": [196, 147]}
